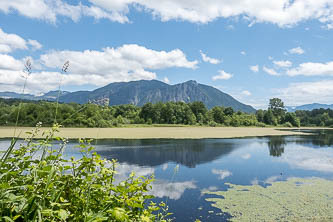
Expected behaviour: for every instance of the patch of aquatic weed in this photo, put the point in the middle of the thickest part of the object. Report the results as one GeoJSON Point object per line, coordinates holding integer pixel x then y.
{"type": "Point", "coordinates": [296, 199]}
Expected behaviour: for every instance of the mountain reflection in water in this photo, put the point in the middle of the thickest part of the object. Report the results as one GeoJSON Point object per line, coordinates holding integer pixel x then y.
{"type": "Point", "coordinates": [189, 153]}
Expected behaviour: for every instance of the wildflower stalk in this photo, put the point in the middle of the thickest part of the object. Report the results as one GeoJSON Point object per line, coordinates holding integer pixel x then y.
{"type": "Point", "coordinates": [26, 73]}
{"type": "Point", "coordinates": [63, 71]}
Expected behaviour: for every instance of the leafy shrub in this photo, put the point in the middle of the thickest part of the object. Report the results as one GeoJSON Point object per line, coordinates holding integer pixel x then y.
{"type": "Point", "coordinates": [287, 124]}
{"type": "Point", "coordinates": [38, 184]}
{"type": "Point", "coordinates": [212, 123]}
{"type": "Point", "coordinates": [259, 124]}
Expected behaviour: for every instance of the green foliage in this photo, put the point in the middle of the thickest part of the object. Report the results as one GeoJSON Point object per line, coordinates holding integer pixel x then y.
{"type": "Point", "coordinates": [277, 107]}
{"type": "Point", "coordinates": [38, 184]}
{"type": "Point", "coordinates": [287, 124]}
{"type": "Point", "coordinates": [316, 117]}
{"type": "Point", "coordinates": [91, 115]}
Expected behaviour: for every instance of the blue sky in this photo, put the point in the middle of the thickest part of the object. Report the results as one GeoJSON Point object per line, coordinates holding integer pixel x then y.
{"type": "Point", "coordinates": [253, 50]}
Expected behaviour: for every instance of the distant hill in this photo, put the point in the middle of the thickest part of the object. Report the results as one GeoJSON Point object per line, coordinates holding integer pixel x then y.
{"type": "Point", "coordinates": [309, 107]}
{"type": "Point", "coordinates": [144, 91]}
{"type": "Point", "coordinates": [51, 96]}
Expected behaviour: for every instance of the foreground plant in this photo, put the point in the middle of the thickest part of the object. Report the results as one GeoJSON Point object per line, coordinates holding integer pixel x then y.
{"type": "Point", "coordinates": [38, 184]}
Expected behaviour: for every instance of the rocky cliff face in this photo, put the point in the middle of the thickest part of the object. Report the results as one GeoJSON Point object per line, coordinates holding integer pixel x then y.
{"type": "Point", "coordinates": [144, 91]}
{"type": "Point", "coordinates": [141, 92]}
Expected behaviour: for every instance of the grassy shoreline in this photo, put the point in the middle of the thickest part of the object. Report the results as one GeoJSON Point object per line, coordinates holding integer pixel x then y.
{"type": "Point", "coordinates": [165, 132]}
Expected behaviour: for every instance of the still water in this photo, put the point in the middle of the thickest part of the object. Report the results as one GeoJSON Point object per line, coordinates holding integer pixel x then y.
{"type": "Point", "coordinates": [185, 168]}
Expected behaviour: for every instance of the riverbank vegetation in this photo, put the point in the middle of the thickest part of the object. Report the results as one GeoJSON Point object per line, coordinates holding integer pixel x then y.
{"type": "Point", "coordinates": [37, 183]}
{"type": "Point", "coordinates": [91, 115]}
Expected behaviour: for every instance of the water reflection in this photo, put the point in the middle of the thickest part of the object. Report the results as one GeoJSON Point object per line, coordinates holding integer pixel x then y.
{"type": "Point", "coordinates": [276, 145]}
{"type": "Point", "coordinates": [302, 157]}
{"type": "Point", "coordinates": [211, 163]}
{"type": "Point", "coordinates": [189, 153]}
{"type": "Point", "coordinates": [160, 188]}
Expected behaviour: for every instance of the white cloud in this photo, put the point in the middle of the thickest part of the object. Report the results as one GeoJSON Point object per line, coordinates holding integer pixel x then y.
{"type": "Point", "coordinates": [283, 64]}
{"type": "Point", "coordinates": [312, 69]}
{"type": "Point", "coordinates": [297, 50]}
{"type": "Point", "coordinates": [254, 68]}
{"type": "Point", "coordinates": [11, 42]}
{"type": "Point", "coordinates": [329, 26]}
{"type": "Point", "coordinates": [205, 58]}
{"type": "Point", "coordinates": [10, 63]}
{"type": "Point", "coordinates": [35, 44]}
{"type": "Point", "coordinates": [125, 63]}
{"type": "Point", "coordinates": [307, 92]}
{"type": "Point", "coordinates": [246, 93]}
{"type": "Point", "coordinates": [49, 10]}
{"type": "Point", "coordinates": [166, 80]}
{"type": "Point", "coordinates": [284, 13]}
{"type": "Point", "coordinates": [129, 58]}
{"type": "Point", "coordinates": [222, 76]}
{"type": "Point", "coordinates": [222, 174]}
{"type": "Point", "coordinates": [270, 71]}
{"type": "Point", "coordinates": [243, 52]}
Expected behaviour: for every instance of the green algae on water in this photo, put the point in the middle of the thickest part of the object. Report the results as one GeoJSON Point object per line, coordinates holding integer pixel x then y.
{"type": "Point", "coordinates": [296, 199]}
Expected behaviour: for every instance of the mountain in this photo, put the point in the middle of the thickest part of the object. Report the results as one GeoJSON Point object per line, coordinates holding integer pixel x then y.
{"type": "Point", "coordinates": [309, 107]}
{"type": "Point", "coordinates": [13, 95]}
{"type": "Point", "coordinates": [144, 91]}
{"type": "Point", "coordinates": [51, 96]}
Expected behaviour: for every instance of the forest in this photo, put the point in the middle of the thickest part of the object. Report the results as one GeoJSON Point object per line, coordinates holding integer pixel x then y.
{"type": "Point", "coordinates": [180, 113]}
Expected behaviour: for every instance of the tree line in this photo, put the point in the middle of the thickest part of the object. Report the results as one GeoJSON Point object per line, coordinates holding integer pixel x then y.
{"type": "Point", "coordinates": [196, 113]}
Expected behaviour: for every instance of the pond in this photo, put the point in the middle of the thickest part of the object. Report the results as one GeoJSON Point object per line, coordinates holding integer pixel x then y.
{"type": "Point", "coordinates": [185, 170]}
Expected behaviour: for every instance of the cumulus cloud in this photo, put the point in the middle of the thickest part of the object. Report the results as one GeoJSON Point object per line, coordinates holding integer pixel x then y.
{"type": "Point", "coordinates": [205, 58]}
{"type": "Point", "coordinates": [222, 76]}
{"type": "Point", "coordinates": [254, 68]}
{"type": "Point", "coordinates": [312, 69]}
{"type": "Point", "coordinates": [10, 63]}
{"type": "Point", "coordinates": [222, 174]}
{"type": "Point", "coordinates": [166, 80]}
{"type": "Point", "coordinates": [125, 63]}
{"type": "Point", "coordinates": [283, 64]}
{"type": "Point", "coordinates": [49, 10]}
{"type": "Point", "coordinates": [34, 44]}
{"type": "Point", "coordinates": [11, 42]}
{"type": "Point", "coordinates": [246, 93]}
{"type": "Point", "coordinates": [270, 71]}
{"type": "Point", "coordinates": [284, 13]}
{"type": "Point", "coordinates": [297, 50]}
{"type": "Point", "coordinates": [307, 92]}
